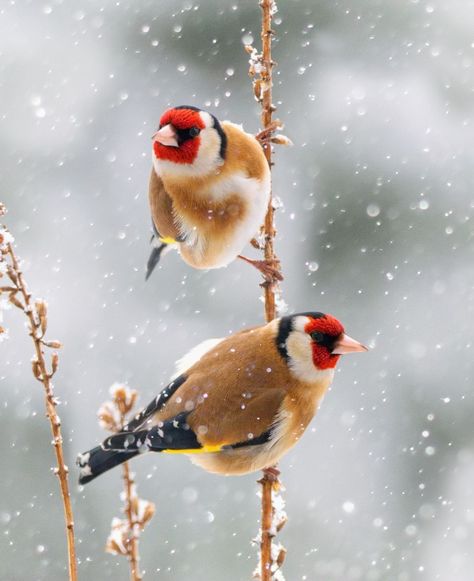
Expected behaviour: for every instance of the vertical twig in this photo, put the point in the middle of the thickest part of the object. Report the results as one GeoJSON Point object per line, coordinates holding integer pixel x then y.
{"type": "Point", "coordinates": [132, 544]}
{"type": "Point", "coordinates": [125, 533]}
{"type": "Point", "coordinates": [268, 108]}
{"type": "Point", "coordinates": [37, 317]}
{"type": "Point", "coordinates": [261, 67]}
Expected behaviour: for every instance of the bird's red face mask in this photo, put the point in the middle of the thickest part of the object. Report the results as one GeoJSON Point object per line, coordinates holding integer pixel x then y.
{"type": "Point", "coordinates": [177, 139]}
{"type": "Point", "coordinates": [329, 342]}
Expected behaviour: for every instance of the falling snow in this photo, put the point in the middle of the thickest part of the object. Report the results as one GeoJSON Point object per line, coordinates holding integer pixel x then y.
{"type": "Point", "coordinates": [374, 210]}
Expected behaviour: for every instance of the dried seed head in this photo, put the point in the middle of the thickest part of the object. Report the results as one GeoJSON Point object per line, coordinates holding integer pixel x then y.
{"type": "Point", "coordinates": [281, 140]}
{"type": "Point", "coordinates": [118, 538]}
{"type": "Point", "coordinates": [41, 307]}
{"type": "Point", "coordinates": [124, 397]}
{"type": "Point", "coordinates": [55, 344]}
{"type": "Point", "coordinates": [15, 301]}
{"type": "Point", "coordinates": [281, 557]}
{"type": "Point", "coordinates": [42, 311]}
{"type": "Point", "coordinates": [109, 417]}
{"type": "Point", "coordinates": [145, 512]}
{"type": "Point", "coordinates": [257, 89]}
{"type": "Point", "coordinates": [54, 362]}
{"type": "Point", "coordinates": [12, 275]}
{"type": "Point", "coordinates": [36, 368]}
{"type": "Point", "coordinates": [281, 523]}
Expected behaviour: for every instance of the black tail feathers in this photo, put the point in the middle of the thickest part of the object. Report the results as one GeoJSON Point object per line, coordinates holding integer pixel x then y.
{"type": "Point", "coordinates": [154, 258]}
{"type": "Point", "coordinates": [97, 461]}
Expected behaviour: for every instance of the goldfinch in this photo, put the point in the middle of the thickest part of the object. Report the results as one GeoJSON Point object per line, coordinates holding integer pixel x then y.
{"type": "Point", "coordinates": [209, 190]}
{"type": "Point", "coordinates": [236, 405]}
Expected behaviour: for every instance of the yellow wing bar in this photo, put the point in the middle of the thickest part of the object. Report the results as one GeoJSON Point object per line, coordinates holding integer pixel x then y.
{"type": "Point", "coordinates": [203, 450]}
{"type": "Point", "coordinates": [167, 240]}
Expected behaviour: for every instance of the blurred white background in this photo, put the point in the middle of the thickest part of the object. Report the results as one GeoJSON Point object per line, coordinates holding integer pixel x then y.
{"type": "Point", "coordinates": [376, 228]}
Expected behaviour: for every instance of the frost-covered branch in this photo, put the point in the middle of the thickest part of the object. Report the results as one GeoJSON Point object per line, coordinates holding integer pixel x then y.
{"type": "Point", "coordinates": [125, 533]}
{"type": "Point", "coordinates": [260, 70]}
{"type": "Point", "coordinates": [15, 293]}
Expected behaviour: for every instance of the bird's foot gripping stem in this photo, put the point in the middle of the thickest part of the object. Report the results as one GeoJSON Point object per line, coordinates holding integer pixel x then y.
{"type": "Point", "coordinates": [272, 473]}
{"type": "Point", "coordinates": [269, 268]}
{"type": "Point", "coordinates": [266, 134]}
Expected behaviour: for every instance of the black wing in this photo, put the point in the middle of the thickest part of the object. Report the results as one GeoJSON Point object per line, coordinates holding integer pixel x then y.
{"type": "Point", "coordinates": [155, 405]}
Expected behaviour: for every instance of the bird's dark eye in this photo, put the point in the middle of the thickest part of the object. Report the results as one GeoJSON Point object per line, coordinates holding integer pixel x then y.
{"type": "Point", "coordinates": [194, 131]}
{"type": "Point", "coordinates": [317, 336]}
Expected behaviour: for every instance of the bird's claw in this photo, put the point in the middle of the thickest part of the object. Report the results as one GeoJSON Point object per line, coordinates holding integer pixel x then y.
{"type": "Point", "coordinates": [271, 475]}
{"type": "Point", "coordinates": [266, 134]}
{"type": "Point", "coordinates": [270, 270]}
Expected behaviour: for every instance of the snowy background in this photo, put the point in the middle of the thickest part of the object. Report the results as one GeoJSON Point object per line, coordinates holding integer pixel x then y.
{"type": "Point", "coordinates": [376, 229]}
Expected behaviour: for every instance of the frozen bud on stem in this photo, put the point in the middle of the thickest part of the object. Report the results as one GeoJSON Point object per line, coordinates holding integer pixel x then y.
{"type": "Point", "coordinates": [54, 362]}
{"type": "Point", "coordinates": [36, 368]}
{"type": "Point", "coordinates": [42, 312]}
{"type": "Point", "coordinates": [15, 301]}
{"type": "Point", "coordinates": [41, 308]}
{"type": "Point", "coordinates": [109, 417]}
{"type": "Point", "coordinates": [144, 511]}
{"type": "Point", "coordinates": [281, 140]}
{"type": "Point", "coordinates": [124, 397]}
{"type": "Point", "coordinates": [53, 344]}
{"type": "Point", "coordinates": [117, 540]}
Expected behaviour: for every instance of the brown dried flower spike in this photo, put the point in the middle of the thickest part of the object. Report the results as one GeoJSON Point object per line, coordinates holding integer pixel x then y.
{"type": "Point", "coordinates": [16, 293]}
{"type": "Point", "coordinates": [125, 532]}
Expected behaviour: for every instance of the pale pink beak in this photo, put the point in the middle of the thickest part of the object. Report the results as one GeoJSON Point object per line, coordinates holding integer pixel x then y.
{"type": "Point", "coordinates": [166, 136]}
{"type": "Point", "coordinates": [347, 344]}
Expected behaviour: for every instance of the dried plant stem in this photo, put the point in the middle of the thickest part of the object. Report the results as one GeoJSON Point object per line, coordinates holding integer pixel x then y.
{"type": "Point", "coordinates": [262, 65]}
{"type": "Point", "coordinates": [37, 318]}
{"type": "Point", "coordinates": [266, 117]}
{"type": "Point", "coordinates": [125, 533]}
{"type": "Point", "coordinates": [267, 482]}
{"type": "Point", "coordinates": [132, 542]}
{"type": "Point", "coordinates": [266, 527]}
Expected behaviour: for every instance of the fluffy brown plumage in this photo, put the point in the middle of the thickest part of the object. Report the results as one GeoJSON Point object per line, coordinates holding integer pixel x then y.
{"type": "Point", "coordinates": [237, 404]}
{"type": "Point", "coordinates": [208, 191]}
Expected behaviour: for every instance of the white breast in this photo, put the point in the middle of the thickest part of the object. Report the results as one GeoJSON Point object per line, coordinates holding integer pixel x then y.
{"type": "Point", "coordinates": [256, 195]}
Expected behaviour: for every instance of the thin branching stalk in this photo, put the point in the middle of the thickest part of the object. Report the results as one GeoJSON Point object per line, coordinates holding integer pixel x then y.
{"type": "Point", "coordinates": [37, 315]}
{"type": "Point", "coordinates": [125, 533]}
{"type": "Point", "coordinates": [261, 68]}
{"type": "Point", "coordinates": [132, 543]}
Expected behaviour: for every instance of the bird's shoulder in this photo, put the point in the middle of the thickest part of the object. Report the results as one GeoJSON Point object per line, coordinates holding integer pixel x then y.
{"type": "Point", "coordinates": [244, 153]}
{"type": "Point", "coordinates": [246, 363]}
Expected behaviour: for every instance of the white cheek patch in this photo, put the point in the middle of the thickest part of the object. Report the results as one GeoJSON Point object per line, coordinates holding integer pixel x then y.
{"type": "Point", "coordinates": [300, 354]}
{"type": "Point", "coordinates": [206, 118]}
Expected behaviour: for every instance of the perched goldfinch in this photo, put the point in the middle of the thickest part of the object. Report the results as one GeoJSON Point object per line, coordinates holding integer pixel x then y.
{"type": "Point", "coordinates": [209, 190]}
{"type": "Point", "coordinates": [237, 404]}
